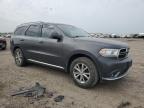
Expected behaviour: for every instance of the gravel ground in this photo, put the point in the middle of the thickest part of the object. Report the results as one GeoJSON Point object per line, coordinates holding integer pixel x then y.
{"type": "Point", "coordinates": [125, 93]}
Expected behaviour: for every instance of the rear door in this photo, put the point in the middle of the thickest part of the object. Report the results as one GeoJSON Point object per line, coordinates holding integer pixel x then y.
{"type": "Point", "coordinates": [32, 42]}
{"type": "Point", "coordinates": [18, 38]}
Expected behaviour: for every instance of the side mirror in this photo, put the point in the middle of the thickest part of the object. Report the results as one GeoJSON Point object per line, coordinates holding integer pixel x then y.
{"type": "Point", "coordinates": [57, 36]}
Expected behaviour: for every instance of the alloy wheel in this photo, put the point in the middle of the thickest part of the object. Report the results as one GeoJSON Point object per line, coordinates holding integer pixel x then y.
{"type": "Point", "coordinates": [81, 72]}
{"type": "Point", "coordinates": [18, 56]}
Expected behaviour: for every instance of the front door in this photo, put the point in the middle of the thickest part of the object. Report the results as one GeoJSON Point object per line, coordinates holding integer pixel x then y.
{"type": "Point", "coordinates": [51, 49]}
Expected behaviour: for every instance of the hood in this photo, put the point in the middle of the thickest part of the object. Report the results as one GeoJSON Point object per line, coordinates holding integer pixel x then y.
{"type": "Point", "coordinates": [102, 41]}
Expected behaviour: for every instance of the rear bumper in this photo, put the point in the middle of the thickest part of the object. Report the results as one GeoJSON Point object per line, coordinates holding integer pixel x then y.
{"type": "Point", "coordinates": [115, 69]}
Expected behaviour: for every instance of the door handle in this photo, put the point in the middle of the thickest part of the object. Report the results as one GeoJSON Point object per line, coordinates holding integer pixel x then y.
{"type": "Point", "coordinates": [21, 39]}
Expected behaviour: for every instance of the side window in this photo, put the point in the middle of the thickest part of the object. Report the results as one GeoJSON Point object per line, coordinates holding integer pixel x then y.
{"type": "Point", "coordinates": [34, 30]}
{"type": "Point", "coordinates": [20, 30]}
{"type": "Point", "coordinates": [47, 30]}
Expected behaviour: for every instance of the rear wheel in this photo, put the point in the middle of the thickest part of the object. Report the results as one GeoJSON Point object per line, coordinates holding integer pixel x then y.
{"type": "Point", "coordinates": [19, 57]}
{"type": "Point", "coordinates": [84, 72]}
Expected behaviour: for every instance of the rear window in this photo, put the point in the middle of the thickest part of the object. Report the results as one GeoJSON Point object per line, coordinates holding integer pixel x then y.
{"type": "Point", "coordinates": [20, 30]}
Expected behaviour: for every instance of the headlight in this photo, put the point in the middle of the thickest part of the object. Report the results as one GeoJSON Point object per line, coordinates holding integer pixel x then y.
{"type": "Point", "coordinates": [109, 52]}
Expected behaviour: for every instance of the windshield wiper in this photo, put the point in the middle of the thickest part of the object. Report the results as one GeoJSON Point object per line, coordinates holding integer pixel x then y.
{"type": "Point", "coordinates": [77, 36]}
{"type": "Point", "coordinates": [80, 36]}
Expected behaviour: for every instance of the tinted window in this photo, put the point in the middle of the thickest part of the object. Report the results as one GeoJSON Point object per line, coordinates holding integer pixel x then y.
{"type": "Point", "coordinates": [72, 31]}
{"type": "Point", "coordinates": [34, 30]}
{"type": "Point", "coordinates": [20, 30]}
{"type": "Point", "coordinates": [47, 30]}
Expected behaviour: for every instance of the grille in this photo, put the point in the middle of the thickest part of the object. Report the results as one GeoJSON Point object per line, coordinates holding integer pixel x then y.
{"type": "Point", "coordinates": [123, 52]}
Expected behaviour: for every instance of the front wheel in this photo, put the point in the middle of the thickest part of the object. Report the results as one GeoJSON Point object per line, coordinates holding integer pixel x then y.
{"type": "Point", "coordinates": [84, 72]}
{"type": "Point", "coordinates": [19, 57]}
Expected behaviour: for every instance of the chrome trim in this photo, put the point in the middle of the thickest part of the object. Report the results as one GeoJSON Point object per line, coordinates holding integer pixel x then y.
{"type": "Point", "coordinates": [116, 78]}
{"type": "Point", "coordinates": [127, 52]}
{"type": "Point", "coordinates": [43, 53]}
{"type": "Point", "coordinates": [45, 63]}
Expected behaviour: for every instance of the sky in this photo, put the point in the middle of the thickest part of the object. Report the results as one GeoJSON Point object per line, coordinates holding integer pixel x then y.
{"type": "Point", "coordinates": [102, 16]}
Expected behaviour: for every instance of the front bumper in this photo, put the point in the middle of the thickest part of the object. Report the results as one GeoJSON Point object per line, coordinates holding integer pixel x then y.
{"type": "Point", "coordinates": [115, 69]}
{"type": "Point", "coordinates": [116, 77]}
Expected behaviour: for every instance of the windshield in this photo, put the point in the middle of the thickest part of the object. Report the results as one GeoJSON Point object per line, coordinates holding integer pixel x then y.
{"type": "Point", "coordinates": [72, 31]}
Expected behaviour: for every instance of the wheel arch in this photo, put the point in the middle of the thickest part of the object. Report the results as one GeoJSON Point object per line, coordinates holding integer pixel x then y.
{"type": "Point", "coordinates": [81, 54]}
{"type": "Point", "coordinates": [15, 48]}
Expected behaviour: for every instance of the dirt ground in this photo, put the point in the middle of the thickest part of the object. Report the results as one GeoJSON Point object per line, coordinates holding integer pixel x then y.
{"type": "Point", "coordinates": [105, 95]}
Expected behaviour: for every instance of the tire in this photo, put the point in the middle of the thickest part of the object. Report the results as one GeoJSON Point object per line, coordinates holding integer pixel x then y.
{"type": "Point", "coordinates": [19, 57]}
{"type": "Point", "coordinates": [87, 78]}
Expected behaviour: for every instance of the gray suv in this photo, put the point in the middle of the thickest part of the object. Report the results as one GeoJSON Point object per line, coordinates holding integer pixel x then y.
{"type": "Point", "coordinates": [88, 59]}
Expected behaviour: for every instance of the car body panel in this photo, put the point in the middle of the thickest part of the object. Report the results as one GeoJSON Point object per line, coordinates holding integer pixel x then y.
{"type": "Point", "coordinates": [49, 51]}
